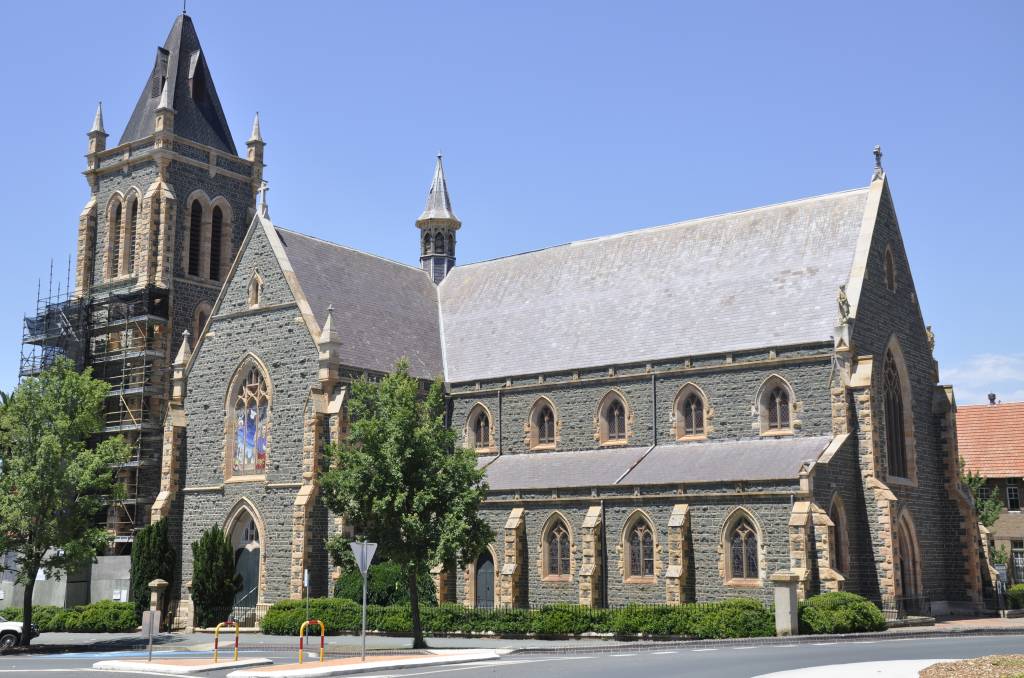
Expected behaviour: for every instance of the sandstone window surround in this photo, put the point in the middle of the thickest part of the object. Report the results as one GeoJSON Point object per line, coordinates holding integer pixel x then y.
{"type": "Point", "coordinates": [542, 426]}
{"type": "Point", "coordinates": [247, 530]}
{"type": "Point", "coordinates": [897, 404]}
{"type": "Point", "coordinates": [640, 548]}
{"type": "Point", "coordinates": [556, 549]}
{"type": "Point", "coordinates": [776, 407]}
{"type": "Point", "coordinates": [614, 420]}
{"type": "Point", "coordinates": [479, 433]}
{"type": "Point", "coordinates": [207, 236]}
{"type": "Point", "coordinates": [247, 427]}
{"type": "Point", "coordinates": [691, 413]}
{"type": "Point", "coordinates": [741, 550]}
{"type": "Point", "coordinates": [199, 319]}
{"type": "Point", "coordinates": [255, 290]}
{"type": "Point", "coordinates": [839, 537]}
{"type": "Point", "coordinates": [890, 269]}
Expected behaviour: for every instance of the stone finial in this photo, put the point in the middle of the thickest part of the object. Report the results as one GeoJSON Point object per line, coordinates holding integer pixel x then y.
{"type": "Point", "coordinates": [262, 191]}
{"type": "Point", "coordinates": [878, 164]}
{"type": "Point", "coordinates": [256, 135]}
{"type": "Point", "coordinates": [329, 335]}
{"type": "Point", "coordinates": [185, 352]}
{"type": "Point", "coordinates": [97, 122]}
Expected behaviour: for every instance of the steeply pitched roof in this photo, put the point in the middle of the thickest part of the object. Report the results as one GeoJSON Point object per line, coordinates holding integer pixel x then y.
{"type": "Point", "coordinates": [439, 204]}
{"type": "Point", "coordinates": [727, 461]}
{"type": "Point", "coordinates": [991, 439]}
{"type": "Point", "coordinates": [383, 310]}
{"type": "Point", "coordinates": [181, 67]}
{"type": "Point", "coordinates": [762, 277]}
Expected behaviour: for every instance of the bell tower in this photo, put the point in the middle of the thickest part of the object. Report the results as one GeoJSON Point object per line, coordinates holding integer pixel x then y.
{"type": "Point", "coordinates": [437, 227]}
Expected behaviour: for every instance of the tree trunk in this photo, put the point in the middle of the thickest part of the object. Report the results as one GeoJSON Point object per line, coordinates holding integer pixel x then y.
{"type": "Point", "coordinates": [26, 609]}
{"type": "Point", "coordinates": [414, 606]}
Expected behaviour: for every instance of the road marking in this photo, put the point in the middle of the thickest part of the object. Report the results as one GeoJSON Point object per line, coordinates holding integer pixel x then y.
{"type": "Point", "coordinates": [665, 652]}
{"type": "Point", "coordinates": [706, 649]}
{"type": "Point", "coordinates": [790, 645]}
{"type": "Point", "coordinates": [746, 647]}
{"type": "Point", "coordinates": [825, 643]}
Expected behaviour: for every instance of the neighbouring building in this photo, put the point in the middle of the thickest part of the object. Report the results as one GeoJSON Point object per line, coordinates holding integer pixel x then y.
{"type": "Point", "coordinates": [671, 414]}
{"type": "Point", "coordinates": [991, 439]}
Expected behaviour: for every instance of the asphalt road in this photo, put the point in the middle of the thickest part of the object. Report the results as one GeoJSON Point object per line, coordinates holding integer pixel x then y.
{"type": "Point", "coordinates": [723, 662]}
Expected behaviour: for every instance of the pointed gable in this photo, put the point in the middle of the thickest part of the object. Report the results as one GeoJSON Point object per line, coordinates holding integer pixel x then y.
{"type": "Point", "coordinates": [181, 68]}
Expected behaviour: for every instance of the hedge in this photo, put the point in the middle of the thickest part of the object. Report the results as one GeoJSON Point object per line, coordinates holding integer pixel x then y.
{"type": "Point", "coordinates": [840, 612]}
{"type": "Point", "coordinates": [1016, 595]}
{"type": "Point", "coordinates": [106, 616]}
{"type": "Point", "coordinates": [386, 585]}
{"type": "Point", "coordinates": [735, 618]}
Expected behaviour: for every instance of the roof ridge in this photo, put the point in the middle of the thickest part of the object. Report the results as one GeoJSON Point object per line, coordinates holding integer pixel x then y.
{"type": "Point", "coordinates": [351, 249]}
{"type": "Point", "coordinates": [674, 224]}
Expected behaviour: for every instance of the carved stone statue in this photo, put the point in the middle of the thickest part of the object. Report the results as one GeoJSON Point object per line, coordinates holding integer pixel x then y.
{"type": "Point", "coordinates": [931, 338]}
{"type": "Point", "coordinates": [844, 305]}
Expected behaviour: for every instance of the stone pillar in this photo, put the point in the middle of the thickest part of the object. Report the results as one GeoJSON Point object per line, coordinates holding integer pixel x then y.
{"type": "Point", "coordinates": [444, 584]}
{"type": "Point", "coordinates": [678, 573]}
{"type": "Point", "coordinates": [305, 499]}
{"type": "Point", "coordinates": [86, 260]}
{"type": "Point", "coordinates": [800, 538]}
{"type": "Point", "coordinates": [511, 586]}
{"type": "Point", "coordinates": [825, 548]}
{"type": "Point", "coordinates": [165, 240]}
{"type": "Point", "coordinates": [787, 606]}
{"type": "Point", "coordinates": [592, 552]}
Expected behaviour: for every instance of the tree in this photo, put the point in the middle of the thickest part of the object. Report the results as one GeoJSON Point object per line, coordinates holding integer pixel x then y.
{"type": "Point", "coordinates": [152, 558]}
{"type": "Point", "coordinates": [53, 480]}
{"type": "Point", "coordinates": [402, 480]}
{"type": "Point", "coordinates": [988, 507]}
{"type": "Point", "coordinates": [214, 582]}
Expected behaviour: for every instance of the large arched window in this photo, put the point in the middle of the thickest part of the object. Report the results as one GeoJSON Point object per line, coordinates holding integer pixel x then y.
{"type": "Point", "coordinates": [115, 241]}
{"type": "Point", "coordinates": [612, 419]}
{"type": "Point", "coordinates": [216, 241]}
{"type": "Point", "coordinates": [741, 542]}
{"type": "Point", "coordinates": [895, 434]}
{"type": "Point", "coordinates": [690, 413]}
{"type": "Point", "coordinates": [478, 429]}
{"type": "Point", "coordinates": [556, 550]}
{"type": "Point", "coordinates": [195, 235]}
{"type": "Point", "coordinates": [543, 424]}
{"type": "Point", "coordinates": [250, 417]}
{"type": "Point", "coordinates": [133, 224]}
{"type": "Point", "coordinates": [640, 549]}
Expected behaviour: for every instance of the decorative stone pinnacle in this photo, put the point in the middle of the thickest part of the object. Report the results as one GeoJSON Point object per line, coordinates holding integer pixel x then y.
{"type": "Point", "coordinates": [256, 135]}
{"type": "Point", "coordinates": [878, 164]}
{"type": "Point", "coordinates": [262, 192]}
{"type": "Point", "coordinates": [165, 101]}
{"type": "Point", "coordinates": [185, 352]}
{"type": "Point", "coordinates": [97, 122]}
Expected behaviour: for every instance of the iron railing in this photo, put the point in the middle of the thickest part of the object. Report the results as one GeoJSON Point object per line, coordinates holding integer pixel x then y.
{"type": "Point", "coordinates": [901, 607]}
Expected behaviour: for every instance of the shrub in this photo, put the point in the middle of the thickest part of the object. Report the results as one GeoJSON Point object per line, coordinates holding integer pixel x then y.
{"type": "Point", "coordinates": [152, 558]}
{"type": "Point", "coordinates": [214, 582]}
{"type": "Point", "coordinates": [338, 615]}
{"type": "Point", "coordinates": [385, 585]}
{"type": "Point", "coordinates": [733, 618]}
{"type": "Point", "coordinates": [106, 616]}
{"type": "Point", "coordinates": [653, 620]}
{"type": "Point", "coordinates": [840, 612]}
{"type": "Point", "coordinates": [1016, 595]}
{"type": "Point", "coordinates": [559, 620]}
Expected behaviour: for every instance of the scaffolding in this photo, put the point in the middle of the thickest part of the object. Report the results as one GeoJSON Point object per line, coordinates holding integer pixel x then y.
{"type": "Point", "coordinates": [123, 337]}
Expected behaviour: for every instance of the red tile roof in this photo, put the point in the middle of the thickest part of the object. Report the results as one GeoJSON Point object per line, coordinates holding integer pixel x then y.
{"type": "Point", "coordinates": [991, 439]}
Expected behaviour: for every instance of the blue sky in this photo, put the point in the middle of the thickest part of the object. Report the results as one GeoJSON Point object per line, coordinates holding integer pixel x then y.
{"type": "Point", "coordinates": [562, 121]}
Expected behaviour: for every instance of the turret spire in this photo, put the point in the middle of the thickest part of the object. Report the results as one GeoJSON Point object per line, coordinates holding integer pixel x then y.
{"type": "Point", "coordinates": [97, 135]}
{"type": "Point", "coordinates": [437, 225]}
{"type": "Point", "coordinates": [97, 122]}
{"type": "Point", "coordinates": [256, 136]}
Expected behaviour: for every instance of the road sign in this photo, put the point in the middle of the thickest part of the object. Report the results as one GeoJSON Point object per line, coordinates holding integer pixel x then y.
{"type": "Point", "coordinates": [363, 551]}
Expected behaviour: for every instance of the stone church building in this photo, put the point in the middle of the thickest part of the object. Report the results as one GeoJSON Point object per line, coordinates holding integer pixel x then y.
{"type": "Point", "coordinates": [672, 414]}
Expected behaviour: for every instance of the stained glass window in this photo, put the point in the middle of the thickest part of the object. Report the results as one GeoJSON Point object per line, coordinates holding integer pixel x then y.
{"type": "Point", "coordinates": [641, 550]}
{"type": "Point", "coordinates": [558, 550]}
{"type": "Point", "coordinates": [895, 442]}
{"type": "Point", "coordinates": [252, 424]}
{"type": "Point", "coordinates": [693, 415]}
{"type": "Point", "coordinates": [743, 551]}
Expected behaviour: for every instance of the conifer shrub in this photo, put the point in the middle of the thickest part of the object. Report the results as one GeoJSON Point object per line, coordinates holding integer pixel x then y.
{"type": "Point", "coordinates": [152, 558]}
{"type": "Point", "coordinates": [214, 582]}
{"type": "Point", "coordinates": [840, 612]}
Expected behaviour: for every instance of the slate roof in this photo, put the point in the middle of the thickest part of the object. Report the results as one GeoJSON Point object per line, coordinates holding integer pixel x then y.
{"type": "Point", "coordinates": [991, 439]}
{"type": "Point", "coordinates": [727, 461]}
{"type": "Point", "coordinates": [439, 204]}
{"type": "Point", "coordinates": [762, 277]}
{"type": "Point", "coordinates": [383, 310]}
{"type": "Point", "coordinates": [198, 115]}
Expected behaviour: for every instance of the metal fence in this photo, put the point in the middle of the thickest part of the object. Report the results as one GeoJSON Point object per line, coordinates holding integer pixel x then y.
{"type": "Point", "coordinates": [901, 607]}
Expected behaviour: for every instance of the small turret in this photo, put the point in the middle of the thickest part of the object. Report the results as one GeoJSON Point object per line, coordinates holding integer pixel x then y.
{"type": "Point", "coordinates": [437, 225]}
{"type": "Point", "coordinates": [97, 135]}
{"type": "Point", "coordinates": [164, 121]}
{"type": "Point", "coordinates": [256, 145]}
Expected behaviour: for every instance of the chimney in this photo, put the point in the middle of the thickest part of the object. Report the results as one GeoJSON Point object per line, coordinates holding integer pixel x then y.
{"type": "Point", "coordinates": [991, 398]}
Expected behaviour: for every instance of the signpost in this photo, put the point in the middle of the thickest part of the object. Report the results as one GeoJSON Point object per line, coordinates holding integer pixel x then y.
{"type": "Point", "coordinates": [150, 627]}
{"type": "Point", "coordinates": [363, 551]}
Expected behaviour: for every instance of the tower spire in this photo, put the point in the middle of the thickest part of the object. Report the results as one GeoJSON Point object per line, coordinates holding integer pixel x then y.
{"type": "Point", "coordinates": [437, 225]}
{"type": "Point", "coordinates": [97, 135]}
{"type": "Point", "coordinates": [97, 122]}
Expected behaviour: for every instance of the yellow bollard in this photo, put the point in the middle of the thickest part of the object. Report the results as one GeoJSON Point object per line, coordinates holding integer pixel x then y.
{"type": "Point", "coordinates": [302, 636]}
{"type": "Point", "coordinates": [216, 640]}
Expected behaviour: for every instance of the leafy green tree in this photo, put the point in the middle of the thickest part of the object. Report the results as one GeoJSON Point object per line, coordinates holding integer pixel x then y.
{"type": "Point", "coordinates": [400, 477]}
{"type": "Point", "coordinates": [53, 480]}
{"type": "Point", "coordinates": [989, 507]}
{"type": "Point", "coordinates": [152, 558]}
{"type": "Point", "coordinates": [214, 582]}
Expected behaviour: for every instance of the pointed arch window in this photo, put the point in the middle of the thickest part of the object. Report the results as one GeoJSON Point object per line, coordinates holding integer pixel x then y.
{"type": "Point", "coordinates": [426, 243]}
{"type": "Point", "coordinates": [776, 409]}
{"type": "Point", "coordinates": [115, 242]}
{"type": "Point", "coordinates": [545, 424]}
{"type": "Point", "coordinates": [438, 244]}
{"type": "Point", "coordinates": [838, 541]}
{"type": "Point", "coordinates": [133, 224]}
{"type": "Point", "coordinates": [216, 241]}
{"type": "Point", "coordinates": [478, 429]}
{"type": "Point", "coordinates": [255, 290]}
{"type": "Point", "coordinates": [557, 547]}
{"type": "Point", "coordinates": [640, 546]}
{"type": "Point", "coordinates": [250, 413]}
{"type": "Point", "coordinates": [743, 556]}
{"type": "Point", "coordinates": [195, 235]}
{"type": "Point", "coordinates": [895, 432]}
{"type": "Point", "coordinates": [615, 414]}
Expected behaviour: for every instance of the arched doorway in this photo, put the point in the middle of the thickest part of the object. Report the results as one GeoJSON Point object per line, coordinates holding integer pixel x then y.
{"type": "Point", "coordinates": [484, 584]}
{"type": "Point", "coordinates": [245, 540]}
{"type": "Point", "coordinates": [907, 564]}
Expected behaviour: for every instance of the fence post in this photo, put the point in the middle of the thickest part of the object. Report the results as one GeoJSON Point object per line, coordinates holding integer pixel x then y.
{"type": "Point", "coordinates": [787, 610]}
